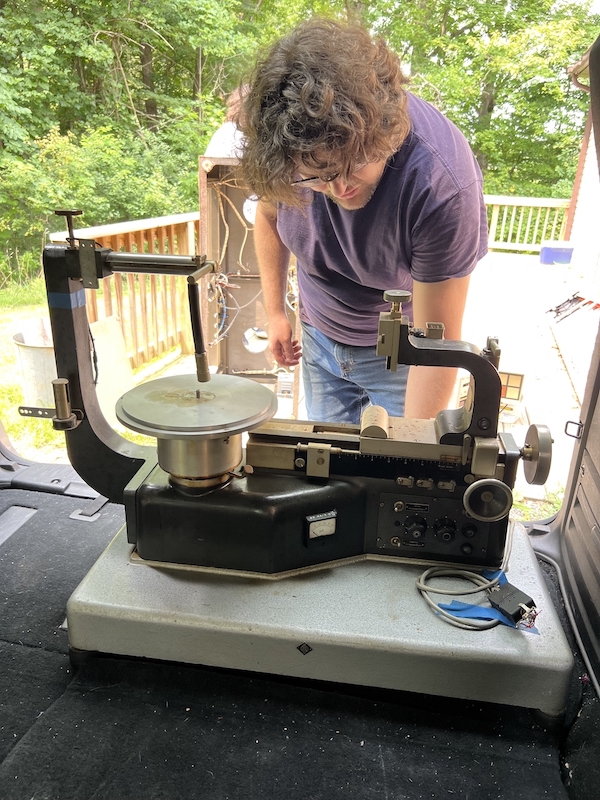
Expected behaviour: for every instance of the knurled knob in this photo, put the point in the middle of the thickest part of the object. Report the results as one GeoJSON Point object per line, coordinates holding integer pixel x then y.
{"type": "Point", "coordinates": [397, 296]}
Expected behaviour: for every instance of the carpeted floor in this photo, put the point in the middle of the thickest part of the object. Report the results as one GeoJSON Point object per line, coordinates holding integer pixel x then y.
{"type": "Point", "coordinates": [123, 728]}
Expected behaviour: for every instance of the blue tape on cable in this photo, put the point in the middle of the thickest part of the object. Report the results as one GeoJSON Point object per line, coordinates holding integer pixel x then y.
{"type": "Point", "coordinates": [66, 300]}
{"type": "Point", "coordinates": [470, 611]}
{"type": "Point", "coordinates": [491, 575]}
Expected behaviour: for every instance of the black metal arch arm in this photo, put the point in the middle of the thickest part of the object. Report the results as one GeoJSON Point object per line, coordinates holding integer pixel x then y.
{"type": "Point", "coordinates": [104, 459]}
{"type": "Point", "coordinates": [482, 419]}
{"type": "Point", "coordinates": [400, 344]}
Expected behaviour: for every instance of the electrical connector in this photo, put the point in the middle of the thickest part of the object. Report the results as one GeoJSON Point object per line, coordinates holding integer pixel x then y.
{"type": "Point", "coordinates": [512, 602]}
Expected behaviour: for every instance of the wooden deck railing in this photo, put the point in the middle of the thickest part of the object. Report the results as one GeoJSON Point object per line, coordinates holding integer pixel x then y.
{"type": "Point", "coordinates": [522, 224]}
{"type": "Point", "coordinates": [153, 310]}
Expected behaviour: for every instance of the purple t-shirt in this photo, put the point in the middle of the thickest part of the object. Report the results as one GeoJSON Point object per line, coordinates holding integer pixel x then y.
{"type": "Point", "coordinates": [426, 220]}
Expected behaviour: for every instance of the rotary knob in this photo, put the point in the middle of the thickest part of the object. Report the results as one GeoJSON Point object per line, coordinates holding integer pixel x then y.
{"type": "Point", "coordinates": [397, 296]}
{"type": "Point", "coordinates": [415, 526]}
{"type": "Point", "coordinates": [445, 529]}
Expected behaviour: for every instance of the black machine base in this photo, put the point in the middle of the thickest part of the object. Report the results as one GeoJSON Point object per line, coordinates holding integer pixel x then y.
{"type": "Point", "coordinates": [270, 522]}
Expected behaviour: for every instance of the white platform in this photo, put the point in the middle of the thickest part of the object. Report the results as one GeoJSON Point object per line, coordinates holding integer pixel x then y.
{"type": "Point", "coordinates": [362, 623]}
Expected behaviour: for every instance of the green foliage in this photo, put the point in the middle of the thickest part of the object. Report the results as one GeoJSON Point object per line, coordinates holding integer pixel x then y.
{"type": "Point", "coordinates": [499, 71]}
{"type": "Point", "coordinates": [111, 177]}
{"type": "Point", "coordinates": [106, 104]}
{"type": "Point", "coordinates": [16, 270]}
{"type": "Point", "coordinates": [47, 52]}
{"type": "Point", "coordinates": [525, 509]}
{"type": "Point", "coordinates": [12, 112]}
{"type": "Point", "coordinates": [32, 438]}
{"type": "Point", "coordinates": [80, 66]}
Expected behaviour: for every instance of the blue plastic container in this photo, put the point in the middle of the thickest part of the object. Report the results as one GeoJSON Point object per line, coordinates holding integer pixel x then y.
{"type": "Point", "coordinates": [556, 253]}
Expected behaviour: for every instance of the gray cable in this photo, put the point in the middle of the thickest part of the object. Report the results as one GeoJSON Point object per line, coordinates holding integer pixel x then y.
{"type": "Point", "coordinates": [481, 585]}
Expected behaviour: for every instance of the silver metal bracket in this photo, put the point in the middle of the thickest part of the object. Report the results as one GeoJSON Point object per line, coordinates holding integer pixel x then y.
{"type": "Point", "coordinates": [485, 457]}
{"type": "Point", "coordinates": [87, 263]}
{"type": "Point", "coordinates": [33, 411]}
{"type": "Point", "coordinates": [318, 458]}
{"type": "Point", "coordinates": [71, 422]}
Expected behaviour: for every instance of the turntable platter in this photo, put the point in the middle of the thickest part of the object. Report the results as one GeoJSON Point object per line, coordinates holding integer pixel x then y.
{"type": "Point", "coordinates": [178, 407]}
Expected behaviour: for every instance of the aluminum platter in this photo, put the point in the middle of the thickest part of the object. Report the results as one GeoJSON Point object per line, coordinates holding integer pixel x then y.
{"type": "Point", "coordinates": [179, 407]}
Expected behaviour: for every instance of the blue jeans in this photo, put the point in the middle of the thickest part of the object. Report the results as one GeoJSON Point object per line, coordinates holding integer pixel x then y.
{"type": "Point", "coordinates": [341, 380]}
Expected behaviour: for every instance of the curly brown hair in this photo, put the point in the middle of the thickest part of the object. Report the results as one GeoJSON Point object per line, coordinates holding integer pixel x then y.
{"type": "Point", "coordinates": [326, 98]}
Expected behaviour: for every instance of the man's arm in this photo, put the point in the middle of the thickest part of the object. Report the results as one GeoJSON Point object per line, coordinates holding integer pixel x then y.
{"type": "Point", "coordinates": [273, 261]}
{"type": "Point", "coordinates": [430, 388]}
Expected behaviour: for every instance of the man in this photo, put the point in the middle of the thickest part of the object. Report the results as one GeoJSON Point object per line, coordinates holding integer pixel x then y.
{"type": "Point", "coordinates": [371, 189]}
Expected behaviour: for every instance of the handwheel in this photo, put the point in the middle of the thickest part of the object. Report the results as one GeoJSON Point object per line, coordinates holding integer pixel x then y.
{"type": "Point", "coordinates": [537, 454]}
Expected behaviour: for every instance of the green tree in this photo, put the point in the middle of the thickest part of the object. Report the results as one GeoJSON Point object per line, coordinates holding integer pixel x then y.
{"type": "Point", "coordinates": [107, 105]}
{"type": "Point", "coordinates": [111, 176]}
{"type": "Point", "coordinates": [499, 71]}
{"type": "Point", "coordinates": [102, 100]}
{"type": "Point", "coordinates": [137, 66]}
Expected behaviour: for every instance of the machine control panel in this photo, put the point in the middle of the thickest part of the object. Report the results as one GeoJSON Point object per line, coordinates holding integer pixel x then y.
{"type": "Point", "coordinates": [438, 527]}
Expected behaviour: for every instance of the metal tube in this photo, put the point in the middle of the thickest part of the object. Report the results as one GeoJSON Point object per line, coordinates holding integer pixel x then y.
{"type": "Point", "coordinates": [201, 272]}
{"type": "Point", "coordinates": [202, 370]}
{"type": "Point", "coordinates": [154, 263]}
{"type": "Point", "coordinates": [61, 398]}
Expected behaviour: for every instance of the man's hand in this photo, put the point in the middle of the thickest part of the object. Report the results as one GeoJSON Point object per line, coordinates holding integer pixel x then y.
{"type": "Point", "coordinates": [285, 350]}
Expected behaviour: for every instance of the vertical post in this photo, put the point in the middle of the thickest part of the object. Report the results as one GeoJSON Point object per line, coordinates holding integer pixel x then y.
{"type": "Point", "coordinates": [493, 225]}
{"type": "Point", "coordinates": [191, 237]}
{"type": "Point", "coordinates": [202, 370]}
{"type": "Point", "coordinates": [203, 241]}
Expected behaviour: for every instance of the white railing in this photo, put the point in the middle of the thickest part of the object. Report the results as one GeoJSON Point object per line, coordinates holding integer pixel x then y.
{"type": "Point", "coordinates": [522, 224]}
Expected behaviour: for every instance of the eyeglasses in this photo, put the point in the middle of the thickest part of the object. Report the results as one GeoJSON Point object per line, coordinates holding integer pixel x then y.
{"type": "Point", "coordinates": [309, 183]}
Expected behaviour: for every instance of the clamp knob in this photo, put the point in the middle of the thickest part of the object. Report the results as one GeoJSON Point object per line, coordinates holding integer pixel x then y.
{"type": "Point", "coordinates": [69, 214]}
{"type": "Point", "coordinates": [445, 529]}
{"type": "Point", "coordinates": [415, 526]}
{"type": "Point", "coordinates": [396, 297]}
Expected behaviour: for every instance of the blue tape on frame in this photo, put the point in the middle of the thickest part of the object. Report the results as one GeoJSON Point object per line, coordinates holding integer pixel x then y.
{"type": "Point", "coordinates": [66, 300]}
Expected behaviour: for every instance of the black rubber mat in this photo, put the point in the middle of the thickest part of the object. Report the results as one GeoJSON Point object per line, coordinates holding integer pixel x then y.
{"type": "Point", "coordinates": [129, 729]}
{"type": "Point", "coordinates": [44, 560]}
{"type": "Point", "coordinates": [124, 728]}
